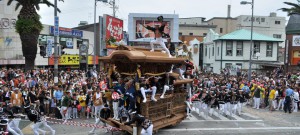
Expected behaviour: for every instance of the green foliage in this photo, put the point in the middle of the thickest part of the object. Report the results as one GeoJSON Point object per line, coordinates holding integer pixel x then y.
{"type": "Point", "coordinates": [294, 9]}
{"type": "Point", "coordinates": [25, 26]}
{"type": "Point", "coordinates": [111, 40]}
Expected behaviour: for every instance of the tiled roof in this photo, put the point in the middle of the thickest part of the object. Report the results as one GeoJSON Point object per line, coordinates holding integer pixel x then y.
{"type": "Point", "coordinates": [293, 26]}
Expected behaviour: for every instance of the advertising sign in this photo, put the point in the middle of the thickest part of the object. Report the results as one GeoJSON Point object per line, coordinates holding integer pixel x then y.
{"type": "Point", "coordinates": [113, 32]}
{"type": "Point", "coordinates": [67, 32]}
{"type": "Point", "coordinates": [49, 47]}
{"type": "Point", "coordinates": [69, 43]}
{"type": "Point", "coordinates": [56, 26]}
{"type": "Point", "coordinates": [71, 60]}
{"type": "Point", "coordinates": [296, 40]}
{"type": "Point", "coordinates": [143, 34]}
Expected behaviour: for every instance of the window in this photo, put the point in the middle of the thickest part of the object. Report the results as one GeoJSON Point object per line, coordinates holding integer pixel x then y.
{"type": "Point", "coordinates": [204, 34]}
{"type": "Point", "coordinates": [229, 48]}
{"type": "Point", "coordinates": [209, 53]}
{"type": "Point", "coordinates": [269, 49]}
{"type": "Point", "coordinates": [218, 51]}
{"type": "Point", "coordinates": [79, 42]}
{"type": "Point", "coordinates": [277, 36]}
{"type": "Point", "coordinates": [191, 34]}
{"type": "Point", "coordinates": [66, 42]}
{"type": "Point", "coordinates": [239, 48]}
{"type": "Point", "coordinates": [256, 48]}
{"type": "Point", "coordinates": [213, 51]}
{"type": "Point", "coordinates": [277, 22]}
{"type": "Point", "coordinates": [262, 19]}
{"type": "Point", "coordinates": [205, 51]}
{"type": "Point", "coordinates": [228, 65]}
{"type": "Point", "coordinates": [239, 67]}
{"type": "Point", "coordinates": [221, 30]}
{"type": "Point", "coordinates": [257, 19]}
{"type": "Point", "coordinates": [180, 33]}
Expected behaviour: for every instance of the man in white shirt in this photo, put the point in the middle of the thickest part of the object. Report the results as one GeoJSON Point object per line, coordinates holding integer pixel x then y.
{"type": "Point", "coordinates": [296, 100]}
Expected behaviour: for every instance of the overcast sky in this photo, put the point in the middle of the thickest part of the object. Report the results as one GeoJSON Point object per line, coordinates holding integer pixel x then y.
{"type": "Point", "coordinates": [74, 11]}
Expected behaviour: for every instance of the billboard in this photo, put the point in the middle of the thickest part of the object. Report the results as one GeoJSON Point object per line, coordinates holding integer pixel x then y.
{"type": "Point", "coordinates": [113, 32]}
{"type": "Point", "coordinates": [71, 60]}
{"type": "Point", "coordinates": [67, 32]}
{"type": "Point", "coordinates": [143, 34]}
{"type": "Point", "coordinates": [140, 35]}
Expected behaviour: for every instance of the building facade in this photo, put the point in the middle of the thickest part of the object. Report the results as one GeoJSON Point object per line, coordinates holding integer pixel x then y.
{"type": "Point", "coordinates": [10, 43]}
{"type": "Point", "coordinates": [11, 48]}
{"type": "Point", "coordinates": [194, 26]}
{"type": "Point", "coordinates": [272, 25]}
{"type": "Point", "coordinates": [231, 51]}
{"type": "Point", "coordinates": [224, 25]}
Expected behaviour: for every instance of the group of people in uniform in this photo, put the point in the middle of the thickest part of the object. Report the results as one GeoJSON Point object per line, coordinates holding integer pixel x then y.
{"type": "Point", "coordinates": [10, 121]}
{"type": "Point", "coordinates": [228, 101]}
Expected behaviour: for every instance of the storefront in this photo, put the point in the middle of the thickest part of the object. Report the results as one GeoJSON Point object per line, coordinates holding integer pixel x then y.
{"type": "Point", "coordinates": [70, 40]}
{"type": "Point", "coordinates": [71, 61]}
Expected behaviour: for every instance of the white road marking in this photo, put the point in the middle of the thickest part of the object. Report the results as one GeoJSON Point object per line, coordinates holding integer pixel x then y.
{"type": "Point", "coordinates": [205, 117]}
{"type": "Point", "coordinates": [219, 115]}
{"type": "Point", "coordinates": [186, 121]}
{"type": "Point", "coordinates": [237, 117]}
{"type": "Point", "coordinates": [229, 129]}
{"type": "Point", "coordinates": [250, 115]}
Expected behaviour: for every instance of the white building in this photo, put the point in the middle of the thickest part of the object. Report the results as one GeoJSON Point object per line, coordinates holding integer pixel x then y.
{"type": "Point", "coordinates": [272, 25]}
{"type": "Point", "coordinates": [10, 43]}
{"type": "Point", "coordinates": [11, 48]}
{"type": "Point", "coordinates": [232, 51]}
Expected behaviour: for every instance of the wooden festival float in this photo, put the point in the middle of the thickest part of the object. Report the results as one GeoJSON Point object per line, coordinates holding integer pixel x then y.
{"type": "Point", "coordinates": [130, 61]}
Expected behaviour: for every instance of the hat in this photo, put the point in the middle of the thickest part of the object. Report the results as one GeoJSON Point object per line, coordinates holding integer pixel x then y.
{"type": "Point", "coordinates": [16, 88]}
{"type": "Point", "coordinates": [160, 18]}
{"type": "Point", "coordinates": [115, 82]}
{"type": "Point", "coordinates": [105, 106]}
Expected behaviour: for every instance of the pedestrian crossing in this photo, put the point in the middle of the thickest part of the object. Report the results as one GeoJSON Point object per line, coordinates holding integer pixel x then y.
{"type": "Point", "coordinates": [215, 115]}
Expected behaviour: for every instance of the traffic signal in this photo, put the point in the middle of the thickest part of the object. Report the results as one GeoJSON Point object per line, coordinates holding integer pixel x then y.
{"type": "Point", "coordinates": [43, 50]}
{"type": "Point", "coordinates": [61, 50]}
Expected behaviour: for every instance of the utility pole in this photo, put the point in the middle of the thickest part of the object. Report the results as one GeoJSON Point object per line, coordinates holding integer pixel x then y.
{"type": "Point", "coordinates": [55, 48]}
{"type": "Point", "coordinates": [114, 7]}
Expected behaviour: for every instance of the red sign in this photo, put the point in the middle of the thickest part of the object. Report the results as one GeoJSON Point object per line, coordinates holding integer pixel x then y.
{"type": "Point", "coordinates": [114, 31]}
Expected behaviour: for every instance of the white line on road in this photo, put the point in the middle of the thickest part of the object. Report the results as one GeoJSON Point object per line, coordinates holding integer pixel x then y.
{"type": "Point", "coordinates": [222, 120]}
{"type": "Point", "coordinates": [250, 115]}
{"type": "Point", "coordinates": [217, 114]}
{"type": "Point", "coordinates": [229, 129]}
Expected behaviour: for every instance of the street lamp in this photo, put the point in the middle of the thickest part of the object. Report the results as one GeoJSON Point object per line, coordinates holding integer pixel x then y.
{"type": "Point", "coordinates": [251, 37]}
{"type": "Point", "coordinates": [95, 32]}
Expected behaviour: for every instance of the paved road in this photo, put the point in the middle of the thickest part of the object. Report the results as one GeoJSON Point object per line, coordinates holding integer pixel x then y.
{"type": "Point", "coordinates": [252, 121]}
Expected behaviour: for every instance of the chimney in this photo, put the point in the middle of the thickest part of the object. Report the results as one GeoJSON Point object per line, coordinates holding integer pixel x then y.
{"type": "Point", "coordinates": [228, 11]}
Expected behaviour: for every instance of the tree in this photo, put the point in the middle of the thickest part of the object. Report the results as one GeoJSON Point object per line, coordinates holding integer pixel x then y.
{"type": "Point", "coordinates": [295, 9]}
{"type": "Point", "coordinates": [29, 27]}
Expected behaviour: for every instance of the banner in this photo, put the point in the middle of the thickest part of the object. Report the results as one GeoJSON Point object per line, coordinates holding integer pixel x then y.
{"type": "Point", "coordinates": [71, 60]}
{"type": "Point", "coordinates": [143, 34]}
{"type": "Point", "coordinates": [67, 32]}
{"type": "Point", "coordinates": [296, 40]}
{"type": "Point", "coordinates": [113, 32]}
